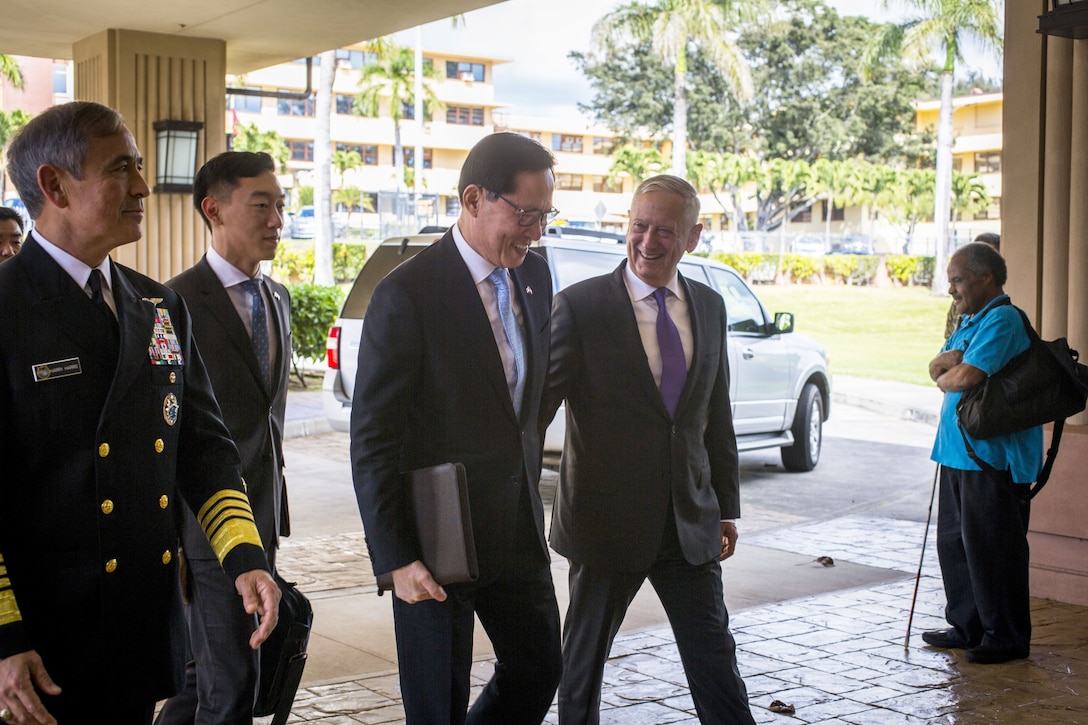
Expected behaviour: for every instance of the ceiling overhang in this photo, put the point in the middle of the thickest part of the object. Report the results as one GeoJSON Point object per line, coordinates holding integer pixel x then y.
{"type": "Point", "coordinates": [258, 33]}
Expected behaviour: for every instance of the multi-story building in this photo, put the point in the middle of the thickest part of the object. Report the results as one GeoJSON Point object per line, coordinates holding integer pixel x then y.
{"type": "Point", "coordinates": [466, 111]}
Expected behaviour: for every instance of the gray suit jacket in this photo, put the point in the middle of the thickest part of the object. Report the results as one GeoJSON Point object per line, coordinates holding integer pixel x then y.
{"type": "Point", "coordinates": [624, 460]}
{"type": "Point", "coordinates": [253, 411]}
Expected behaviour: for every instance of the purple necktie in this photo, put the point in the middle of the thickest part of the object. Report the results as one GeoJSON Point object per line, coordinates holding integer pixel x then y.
{"type": "Point", "coordinates": [673, 365]}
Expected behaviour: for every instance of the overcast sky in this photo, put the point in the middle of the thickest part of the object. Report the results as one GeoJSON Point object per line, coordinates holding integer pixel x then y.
{"type": "Point", "coordinates": [536, 36]}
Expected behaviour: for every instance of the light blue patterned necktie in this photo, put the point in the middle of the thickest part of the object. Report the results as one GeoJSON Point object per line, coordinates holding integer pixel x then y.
{"type": "Point", "coordinates": [259, 328]}
{"type": "Point", "coordinates": [510, 326]}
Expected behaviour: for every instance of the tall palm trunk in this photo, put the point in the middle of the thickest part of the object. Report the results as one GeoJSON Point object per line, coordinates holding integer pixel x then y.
{"type": "Point", "coordinates": [680, 117]}
{"type": "Point", "coordinates": [942, 204]}
{"type": "Point", "coordinates": [323, 235]}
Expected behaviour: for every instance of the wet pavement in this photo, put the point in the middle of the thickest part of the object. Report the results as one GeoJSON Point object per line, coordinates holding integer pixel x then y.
{"type": "Point", "coordinates": [833, 647]}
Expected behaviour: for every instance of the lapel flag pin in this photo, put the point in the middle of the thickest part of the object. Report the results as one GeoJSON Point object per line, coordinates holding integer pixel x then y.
{"type": "Point", "coordinates": [528, 290]}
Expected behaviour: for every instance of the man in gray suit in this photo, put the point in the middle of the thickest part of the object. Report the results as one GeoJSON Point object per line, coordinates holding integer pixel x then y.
{"type": "Point", "coordinates": [648, 485]}
{"type": "Point", "coordinates": [241, 321]}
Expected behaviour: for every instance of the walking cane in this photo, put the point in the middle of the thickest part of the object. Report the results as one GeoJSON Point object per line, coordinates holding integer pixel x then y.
{"type": "Point", "coordinates": [925, 537]}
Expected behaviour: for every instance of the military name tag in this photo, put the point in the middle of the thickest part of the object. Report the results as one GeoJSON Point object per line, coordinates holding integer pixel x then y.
{"type": "Point", "coordinates": [56, 369]}
{"type": "Point", "coordinates": [164, 348]}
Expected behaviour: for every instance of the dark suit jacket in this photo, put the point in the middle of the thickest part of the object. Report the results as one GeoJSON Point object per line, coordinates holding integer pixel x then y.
{"type": "Point", "coordinates": [431, 389]}
{"type": "Point", "coordinates": [94, 464]}
{"type": "Point", "coordinates": [623, 459]}
{"type": "Point", "coordinates": [252, 411]}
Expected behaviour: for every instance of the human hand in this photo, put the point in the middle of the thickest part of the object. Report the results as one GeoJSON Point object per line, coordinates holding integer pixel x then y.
{"type": "Point", "coordinates": [414, 583]}
{"type": "Point", "coordinates": [944, 362]}
{"type": "Point", "coordinates": [19, 674]}
{"type": "Point", "coordinates": [260, 595]}
{"type": "Point", "coordinates": [729, 539]}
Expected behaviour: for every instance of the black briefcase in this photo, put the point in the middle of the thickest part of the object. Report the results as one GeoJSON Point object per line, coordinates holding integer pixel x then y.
{"type": "Point", "coordinates": [282, 656]}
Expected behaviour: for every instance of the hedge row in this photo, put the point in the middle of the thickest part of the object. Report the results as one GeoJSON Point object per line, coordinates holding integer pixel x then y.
{"type": "Point", "coordinates": [854, 269]}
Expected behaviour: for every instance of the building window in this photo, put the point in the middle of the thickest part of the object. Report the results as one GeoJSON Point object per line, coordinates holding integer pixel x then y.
{"type": "Point", "coordinates": [534, 135]}
{"type": "Point", "coordinates": [287, 107]}
{"type": "Point", "coordinates": [465, 115]}
{"type": "Point", "coordinates": [245, 104]}
{"type": "Point", "coordinates": [370, 201]}
{"type": "Point", "coordinates": [838, 213]}
{"type": "Point", "coordinates": [410, 154]}
{"type": "Point", "coordinates": [453, 206]}
{"type": "Point", "coordinates": [350, 147]}
{"type": "Point", "coordinates": [562, 142]}
{"type": "Point", "coordinates": [60, 79]}
{"type": "Point", "coordinates": [345, 104]}
{"type": "Point", "coordinates": [988, 162]}
{"type": "Point", "coordinates": [301, 150]}
{"type": "Point", "coordinates": [465, 71]}
{"type": "Point", "coordinates": [603, 146]}
{"type": "Point", "coordinates": [354, 59]}
{"type": "Point", "coordinates": [803, 216]}
{"type": "Point", "coordinates": [991, 212]}
{"type": "Point", "coordinates": [568, 182]}
{"type": "Point", "coordinates": [369, 155]}
{"type": "Point", "coordinates": [602, 185]}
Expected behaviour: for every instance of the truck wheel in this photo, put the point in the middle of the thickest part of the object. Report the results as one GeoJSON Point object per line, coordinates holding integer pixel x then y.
{"type": "Point", "coordinates": [808, 432]}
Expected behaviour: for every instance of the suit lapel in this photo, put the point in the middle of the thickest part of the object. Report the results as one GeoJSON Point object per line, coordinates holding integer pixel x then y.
{"type": "Point", "coordinates": [214, 297]}
{"type": "Point", "coordinates": [60, 300]}
{"type": "Point", "coordinates": [281, 313]}
{"type": "Point", "coordinates": [466, 309]}
{"type": "Point", "coordinates": [697, 315]}
{"type": "Point", "coordinates": [136, 318]}
{"type": "Point", "coordinates": [623, 327]}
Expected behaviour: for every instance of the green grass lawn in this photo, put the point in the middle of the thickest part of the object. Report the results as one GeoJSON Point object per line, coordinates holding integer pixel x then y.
{"type": "Point", "coordinates": [885, 333]}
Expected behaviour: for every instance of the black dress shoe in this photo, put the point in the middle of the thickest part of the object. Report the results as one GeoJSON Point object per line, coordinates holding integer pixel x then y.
{"type": "Point", "coordinates": [944, 639]}
{"type": "Point", "coordinates": [984, 655]}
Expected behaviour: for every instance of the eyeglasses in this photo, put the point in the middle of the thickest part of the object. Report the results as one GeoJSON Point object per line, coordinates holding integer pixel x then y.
{"type": "Point", "coordinates": [529, 218]}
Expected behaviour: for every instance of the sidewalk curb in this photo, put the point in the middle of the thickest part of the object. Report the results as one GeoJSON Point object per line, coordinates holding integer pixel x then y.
{"type": "Point", "coordinates": [890, 409]}
{"type": "Point", "coordinates": [305, 427]}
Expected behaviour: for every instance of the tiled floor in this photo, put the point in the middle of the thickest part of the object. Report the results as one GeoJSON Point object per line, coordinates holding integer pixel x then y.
{"type": "Point", "coordinates": [836, 658]}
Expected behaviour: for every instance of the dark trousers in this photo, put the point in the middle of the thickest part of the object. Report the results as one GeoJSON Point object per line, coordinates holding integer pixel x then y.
{"type": "Point", "coordinates": [520, 615]}
{"type": "Point", "coordinates": [982, 544]}
{"type": "Point", "coordinates": [693, 600]}
{"type": "Point", "coordinates": [221, 677]}
{"type": "Point", "coordinates": [85, 708]}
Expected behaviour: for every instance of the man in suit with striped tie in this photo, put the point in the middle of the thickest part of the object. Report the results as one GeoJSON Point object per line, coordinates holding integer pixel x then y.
{"type": "Point", "coordinates": [242, 323]}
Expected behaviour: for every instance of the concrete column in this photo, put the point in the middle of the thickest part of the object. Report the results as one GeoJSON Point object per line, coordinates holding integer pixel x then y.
{"type": "Point", "coordinates": [149, 77]}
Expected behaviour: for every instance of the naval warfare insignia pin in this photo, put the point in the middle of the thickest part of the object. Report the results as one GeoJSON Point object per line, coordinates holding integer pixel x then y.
{"type": "Point", "coordinates": [170, 409]}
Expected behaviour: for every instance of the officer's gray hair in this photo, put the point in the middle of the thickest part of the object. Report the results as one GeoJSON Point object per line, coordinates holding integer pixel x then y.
{"type": "Point", "coordinates": [59, 136]}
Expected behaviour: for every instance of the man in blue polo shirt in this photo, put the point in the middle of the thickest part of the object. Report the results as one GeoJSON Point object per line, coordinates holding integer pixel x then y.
{"type": "Point", "coordinates": [982, 523]}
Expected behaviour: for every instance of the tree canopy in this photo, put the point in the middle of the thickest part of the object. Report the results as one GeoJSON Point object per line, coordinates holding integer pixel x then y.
{"type": "Point", "coordinates": [813, 97]}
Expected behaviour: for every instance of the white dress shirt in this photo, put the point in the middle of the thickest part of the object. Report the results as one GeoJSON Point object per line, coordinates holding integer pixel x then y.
{"type": "Point", "coordinates": [79, 271]}
{"type": "Point", "coordinates": [645, 306]}
{"type": "Point", "coordinates": [480, 268]}
{"type": "Point", "coordinates": [232, 278]}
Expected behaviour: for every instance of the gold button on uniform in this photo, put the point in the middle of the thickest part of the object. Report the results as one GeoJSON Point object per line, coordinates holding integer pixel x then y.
{"type": "Point", "coordinates": [159, 445]}
{"type": "Point", "coordinates": [111, 566]}
{"type": "Point", "coordinates": [173, 377]}
{"type": "Point", "coordinates": [107, 507]}
{"type": "Point", "coordinates": [166, 557]}
{"type": "Point", "coordinates": [103, 450]}
{"type": "Point", "coordinates": [164, 501]}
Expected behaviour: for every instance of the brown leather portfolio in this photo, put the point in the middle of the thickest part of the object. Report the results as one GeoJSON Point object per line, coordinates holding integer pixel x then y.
{"type": "Point", "coordinates": [444, 522]}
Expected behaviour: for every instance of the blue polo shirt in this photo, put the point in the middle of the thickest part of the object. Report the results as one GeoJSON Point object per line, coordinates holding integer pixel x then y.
{"type": "Point", "coordinates": [989, 340]}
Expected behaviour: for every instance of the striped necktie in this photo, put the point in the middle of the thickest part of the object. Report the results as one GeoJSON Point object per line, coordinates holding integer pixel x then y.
{"type": "Point", "coordinates": [510, 326]}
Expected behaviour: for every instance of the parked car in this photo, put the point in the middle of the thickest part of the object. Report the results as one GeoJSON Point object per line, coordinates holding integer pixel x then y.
{"type": "Point", "coordinates": [856, 244]}
{"type": "Point", "coordinates": [809, 245]}
{"type": "Point", "coordinates": [304, 225]}
{"type": "Point", "coordinates": [780, 384]}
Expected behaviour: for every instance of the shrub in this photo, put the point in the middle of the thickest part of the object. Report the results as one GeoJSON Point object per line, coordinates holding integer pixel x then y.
{"type": "Point", "coordinates": [313, 310]}
{"type": "Point", "coordinates": [907, 269]}
{"type": "Point", "coordinates": [800, 267]}
{"type": "Point", "coordinates": [753, 266]}
{"type": "Point", "coordinates": [347, 260]}
{"type": "Point", "coordinates": [852, 268]}
{"type": "Point", "coordinates": [292, 266]}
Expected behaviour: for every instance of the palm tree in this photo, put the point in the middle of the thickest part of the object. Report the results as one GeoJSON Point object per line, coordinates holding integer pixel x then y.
{"type": "Point", "coordinates": [391, 79]}
{"type": "Point", "coordinates": [637, 162]}
{"type": "Point", "coordinates": [11, 72]}
{"type": "Point", "coordinates": [943, 25]}
{"type": "Point", "coordinates": [343, 162]}
{"type": "Point", "coordinates": [969, 195]}
{"type": "Point", "coordinates": [670, 26]}
{"type": "Point", "coordinates": [323, 235]}
{"type": "Point", "coordinates": [10, 122]}
{"type": "Point", "coordinates": [247, 137]}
